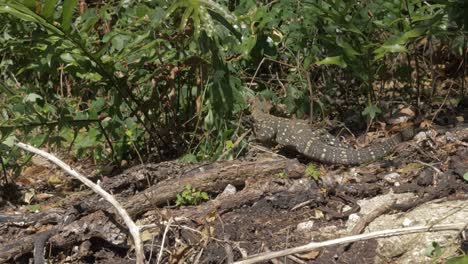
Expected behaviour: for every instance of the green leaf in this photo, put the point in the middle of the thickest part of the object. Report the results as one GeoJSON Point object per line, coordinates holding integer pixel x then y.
{"type": "Point", "coordinates": [31, 4]}
{"type": "Point", "coordinates": [312, 171]}
{"type": "Point", "coordinates": [22, 12]}
{"type": "Point", "coordinates": [6, 89]}
{"type": "Point", "coordinates": [384, 49]}
{"type": "Point", "coordinates": [67, 15]}
{"type": "Point", "coordinates": [209, 120]}
{"type": "Point", "coordinates": [119, 42]}
{"type": "Point", "coordinates": [16, 13]}
{"type": "Point", "coordinates": [10, 141]}
{"type": "Point", "coordinates": [371, 110]}
{"type": "Point", "coordinates": [347, 48]}
{"type": "Point", "coordinates": [32, 97]}
{"type": "Point", "coordinates": [89, 20]}
{"type": "Point", "coordinates": [465, 176]}
{"type": "Point", "coordinates": [458, 260]}
{"type": "Point", "coordinates": [416, 32]}
{"type": "Point", "coordinates": [395, 48]}
{"type": "Point", "coordinates": [185, 16]}
{"type": "Point", "coordinates": [48, 9]}
{"type": "Point", "coordinates": [433, 250]}
{"type": "Point", "coordinates": [189, 158]}
{"type": "Point", "coordinates": [229, 144]}
{"type": "Point", "coordinates": [67, 57]}
{"type": "Point", "coordinates": [308, 61]}
{"type": "Point", "coordinates": [216, 16]}
{"type": "Point", "coordinates": [33, 208]}
{"type": "Point", "coordinates": [336, 60]}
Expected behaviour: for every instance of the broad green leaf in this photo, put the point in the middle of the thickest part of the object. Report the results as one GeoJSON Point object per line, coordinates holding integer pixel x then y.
{"type": "Point", "coordinates": [433, 250]}
{"type": "Point", "coordinates": [465, 176]}
{"type": "Point", "coordinates": [416, 32]}
{"type": "Point", "coordinates": [32, 97]}
{"type": "Point", "coordinates": [209, 120]}
{"type": "Point", "coordinates": [216, 16]}
{"type": "Point", "coordinates": [89, 20]}
{"type": "Point", "coordinates": [67, 15]}
{"type": "Point", "coordinates": [308, 61]}
{"type": "Point", "coordinates": [336, 60]}
{"type": "Point", "coordinates": [384, 49]}
{"type": "Point", "coordinates": [48, 9]}
{"type": "Point", "coordinates": [67, 57]}
{"type": "Point", "coordinates": [371, 111]}
{"type": "Point", "coordinates": [10, 141]}
{"type": "Point", "coordinates": [120, 41]}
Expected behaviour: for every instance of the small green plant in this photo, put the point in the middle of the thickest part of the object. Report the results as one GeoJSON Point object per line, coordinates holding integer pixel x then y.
{"type": "Point", "coordinates": [282, 175]}
{"type": "Point", "coordinates": [189, 158]}
{"type": "Point", "coordinates": [190, 196]}
{"type": "Point", "coordinates": [312, 171]}
{"type": "Point", "coordinates": [434, 250]}
{"type": "Point", "coordinates": [458, 260]}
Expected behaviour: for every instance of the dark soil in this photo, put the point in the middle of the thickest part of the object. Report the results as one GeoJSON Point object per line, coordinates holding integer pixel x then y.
{"type": "Point", "coordinates": [265, 213]}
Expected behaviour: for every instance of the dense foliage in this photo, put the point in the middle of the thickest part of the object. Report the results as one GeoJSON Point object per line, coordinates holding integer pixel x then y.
{"type": "Point", "coordinates": [134, 79]}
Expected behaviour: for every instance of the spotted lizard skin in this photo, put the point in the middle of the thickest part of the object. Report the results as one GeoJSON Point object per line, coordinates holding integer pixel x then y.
{"type": "Point", "coordinates": [318, 145]}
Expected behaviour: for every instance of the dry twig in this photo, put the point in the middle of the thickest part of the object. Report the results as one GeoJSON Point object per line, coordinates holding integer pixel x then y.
{"type": "Point", "coordinates": [133, 228]}
{"type": "Point", "coordinates": [164, 240]}
{"type": "Point", "coordinates": [346, 240]}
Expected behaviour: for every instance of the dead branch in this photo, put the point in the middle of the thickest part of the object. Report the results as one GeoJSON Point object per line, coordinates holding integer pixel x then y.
{"type": "Point", "coordinates": [133, 228]}
{"type": "Point", "coordinates": [349, 239]}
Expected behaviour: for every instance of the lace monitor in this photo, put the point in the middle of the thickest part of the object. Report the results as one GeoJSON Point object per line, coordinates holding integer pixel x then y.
{"type": "Point", "coordinates": [317, 144]}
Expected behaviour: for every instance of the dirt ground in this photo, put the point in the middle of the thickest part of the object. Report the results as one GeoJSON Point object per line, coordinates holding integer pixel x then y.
{"type": "Point", "coordinates": [260, 203]}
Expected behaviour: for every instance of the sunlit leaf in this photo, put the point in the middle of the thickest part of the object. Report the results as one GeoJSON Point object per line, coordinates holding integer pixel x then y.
{"type": "Point", "coordinates": [67, 15]}
{"type": "Point", "coordinates": [457, 260]}
{"type": "Point", "coordinates": [10, 140]}
{"type": "Point", "coordinates": [336, 60]}
{"type": "Point", "coordinates": [67, 57]}
{"type": "Point", "coordinates": [48, 9]}
{"type": "Point", "coordinates": [32, 97]}
{"type": "Point", "coordinates": [34, 208]}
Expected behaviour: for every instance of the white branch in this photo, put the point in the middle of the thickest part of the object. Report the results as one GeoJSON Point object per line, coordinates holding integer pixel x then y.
{"type": "Point", "coordinates": [346, 240]}
{"type": "Point", "coordinates": [133, 228]}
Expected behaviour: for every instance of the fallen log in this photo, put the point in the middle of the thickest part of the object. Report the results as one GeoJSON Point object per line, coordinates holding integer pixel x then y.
{"type": "Point", "coordinates": [208, 178]}
{"type": "Point", "coordinates": [212, 179]}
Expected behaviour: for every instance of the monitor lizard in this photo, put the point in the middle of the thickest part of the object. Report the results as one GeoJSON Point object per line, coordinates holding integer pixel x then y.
{"type": "Point", "coordinates": [318, 144]}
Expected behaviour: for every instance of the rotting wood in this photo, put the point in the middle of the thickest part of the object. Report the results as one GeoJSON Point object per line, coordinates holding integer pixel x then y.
{"type": "Point", "coordinates": [211, 178]}
{"type": "Point", "coordinates": [249, 195]}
